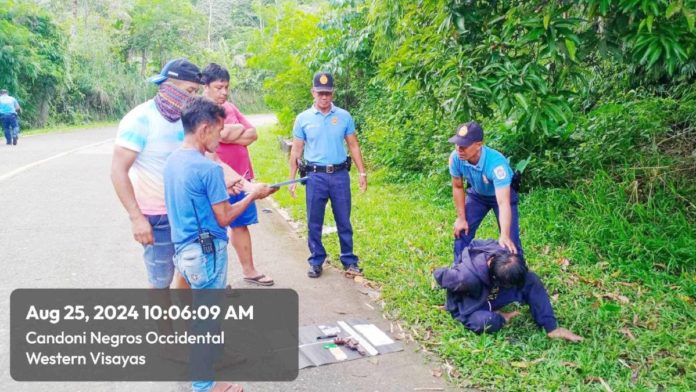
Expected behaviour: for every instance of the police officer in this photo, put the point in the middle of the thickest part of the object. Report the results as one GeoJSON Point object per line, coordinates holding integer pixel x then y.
{"type": "Point", "coordinates": [489, 177]}
{"type": "Point", "coordinates": [319, 132]}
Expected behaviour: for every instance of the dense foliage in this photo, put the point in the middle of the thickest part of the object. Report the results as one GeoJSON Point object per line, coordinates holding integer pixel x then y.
{"type": "Point", "coordinates": [594, 99]}
{"type": "Point", "coordinates": [72, 62]}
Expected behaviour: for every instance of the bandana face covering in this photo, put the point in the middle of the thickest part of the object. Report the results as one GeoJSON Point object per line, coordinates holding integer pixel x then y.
{"type": "Point", "coordinates": [170, 100]}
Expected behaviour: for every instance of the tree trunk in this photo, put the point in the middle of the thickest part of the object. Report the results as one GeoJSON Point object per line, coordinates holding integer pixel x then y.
{"type": "Point", "coordinates": [143, 62]}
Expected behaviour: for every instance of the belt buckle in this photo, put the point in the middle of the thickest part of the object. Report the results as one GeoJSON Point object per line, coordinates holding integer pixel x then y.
{"type": "Point", "coordinates": [330, 169]}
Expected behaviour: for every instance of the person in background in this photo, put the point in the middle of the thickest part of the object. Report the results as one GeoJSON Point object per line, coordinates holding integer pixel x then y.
{"type": "Point", "coordinates": [9, 110]}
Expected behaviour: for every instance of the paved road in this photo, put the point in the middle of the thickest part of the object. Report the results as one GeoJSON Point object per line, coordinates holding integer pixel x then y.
{"type": "Point", "coordinates": [62, 227]}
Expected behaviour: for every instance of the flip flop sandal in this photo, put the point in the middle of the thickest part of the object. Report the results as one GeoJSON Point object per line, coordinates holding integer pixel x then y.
{"type": "Point", "coordinates": [257, 280]}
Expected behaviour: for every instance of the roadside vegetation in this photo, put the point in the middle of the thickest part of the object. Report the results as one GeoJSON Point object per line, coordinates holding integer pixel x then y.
{"type": "Point", "coordinates": [594, 100]}
{"type": "Point", "coordinates": [76, 62]}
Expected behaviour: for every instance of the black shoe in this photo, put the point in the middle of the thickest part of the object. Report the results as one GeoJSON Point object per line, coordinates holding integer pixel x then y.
{"type": "Point", "coordinates": [353, 270]}
{"type": "Point", "coordinates": [314, 271]}
{"type": "Point", "coordinates": [14, 141]}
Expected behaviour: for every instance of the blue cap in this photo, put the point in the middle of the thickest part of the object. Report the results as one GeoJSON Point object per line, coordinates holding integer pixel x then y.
{"type": "Point", "coordinates": [180, 69]}
{"type": "Point", "coordinates": [467, 134]}
{"type": "Point", "coordinates": [323, 81]}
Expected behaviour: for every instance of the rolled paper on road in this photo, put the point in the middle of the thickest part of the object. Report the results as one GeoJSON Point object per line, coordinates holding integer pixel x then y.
{"type": "Point", "coordinates": [288, 182]}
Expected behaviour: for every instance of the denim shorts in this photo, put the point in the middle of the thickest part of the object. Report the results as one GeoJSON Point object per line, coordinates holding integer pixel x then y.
{"type": "Point", "coordinates": [203, 271]}
{"type": "Point", "coordinates": [159, 257]}
{"type": "Point", "coordinates": [246, 218]}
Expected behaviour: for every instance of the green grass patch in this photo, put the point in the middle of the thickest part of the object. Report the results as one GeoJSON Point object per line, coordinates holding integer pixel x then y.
{"type": "Point", "coordinates": [67, 128]}
{"type": "Point", "coordinates": [620, 273]}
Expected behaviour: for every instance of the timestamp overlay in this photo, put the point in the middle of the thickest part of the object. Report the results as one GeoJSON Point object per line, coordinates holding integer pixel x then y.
{"type": "Point", "coordinates": [153, 335]}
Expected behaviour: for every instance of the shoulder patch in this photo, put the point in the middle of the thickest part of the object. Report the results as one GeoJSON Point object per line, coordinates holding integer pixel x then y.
{"type": "Point", "coordinates": [500, 172]}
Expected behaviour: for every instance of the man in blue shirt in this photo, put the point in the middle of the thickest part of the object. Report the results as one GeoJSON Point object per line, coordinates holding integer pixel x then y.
{"type": "Point", "coordinates": [198, 208]}
{"type": "Point", "coordinates": [489, 177]}
{"type": "Point", "coordinates": [9, 107]}
{"type": "Point", "coordinates": [319, 133]}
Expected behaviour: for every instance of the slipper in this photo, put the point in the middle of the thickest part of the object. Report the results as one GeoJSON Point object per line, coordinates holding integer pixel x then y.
{"type": "Point", "coordinates": [257, 280]}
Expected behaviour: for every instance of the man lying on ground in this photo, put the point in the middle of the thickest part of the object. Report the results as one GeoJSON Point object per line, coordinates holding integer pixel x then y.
{"type": "Point", "coordinates": [486, 277]}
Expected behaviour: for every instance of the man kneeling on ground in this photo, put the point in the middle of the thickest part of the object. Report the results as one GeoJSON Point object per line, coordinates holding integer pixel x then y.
{"type": "Point", "coordinates": [197, 204]}
{"type": "Point", "coordinates": [483, 269]}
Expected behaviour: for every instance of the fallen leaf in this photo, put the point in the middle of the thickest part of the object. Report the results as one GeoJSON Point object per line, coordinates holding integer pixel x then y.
{"type": "Point", "coordinates": [627, 333]}
{"type": "Point", "coordinates": [634, 375]}
{"type": "Point", "coordinates": [660, 266]}
{"type": "Point", "coordinates": [692, 341]}
{"type": "Point", "coordinates": [686, 299]}
{"type": "Point", "coordinates": [564, 263]}
{"type": "Point", "coordinates": [440, 307]}
{"type": "Point", "coordinates": [428, 334]}
{"type": "Point", "coordinates": [616, 274]}
{"type": "Point", "coordinates": [520, 364]}
{"type": "Point", "coordinates": [635, 320]}
{"type": "Point", "coordinates": [617, 297]}
{"type": "Point", "coordinates": [554, 297]}
{"type": "Point", "coordinates": [547, 249]}
{"type": "Point", "coordinates": [570, 364]}
{"type": "Point", "coordinates": [437, 372]}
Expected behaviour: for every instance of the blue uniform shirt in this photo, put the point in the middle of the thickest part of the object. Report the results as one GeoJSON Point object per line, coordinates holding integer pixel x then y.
{"type": "Point", "coordinates": [324, 134]}
{"type": "Point", "coordinates": [189, 176]}
{"type": "Point", "coordinates": [8, 105]}
{"type": "Point", "coordinates": [491, 172]}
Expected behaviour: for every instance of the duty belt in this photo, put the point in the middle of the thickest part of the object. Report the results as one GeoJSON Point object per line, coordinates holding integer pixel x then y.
{"type": "Point", "coordinates": [326, 169]}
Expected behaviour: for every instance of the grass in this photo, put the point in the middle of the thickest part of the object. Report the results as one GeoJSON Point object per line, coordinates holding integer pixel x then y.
{"type": "Point", "coordinates": [622, 276]}
{"type": "Point", "coordinates": [66, 128]}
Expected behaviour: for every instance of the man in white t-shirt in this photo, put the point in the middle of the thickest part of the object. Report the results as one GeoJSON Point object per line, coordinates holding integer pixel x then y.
{"type": "Point", "coordinates": [147, 135]}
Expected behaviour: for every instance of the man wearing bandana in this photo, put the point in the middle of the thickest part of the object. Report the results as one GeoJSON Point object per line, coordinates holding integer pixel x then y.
{"type": "Point", "coordinates": [489, 177]}
{"type": "Point", "coordinates": [147, 135]}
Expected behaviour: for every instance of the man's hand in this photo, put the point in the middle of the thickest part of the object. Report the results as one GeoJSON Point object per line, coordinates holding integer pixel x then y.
{"type": "Point", "coordinates": [260, 191]}
{"type": "Point", "coordinates": [506, 242]}
{"type": "Point", "coordinates": [363, 182]}
{"type": "Point", "coordinates": [562, 333]}
{"type": "Point", "coordinates": [291, 189]}
{"type": "Point", "coordinates": [509, 316]}
{"type": "Point", "coordinates": [461, 225]}
{"type": "Point", "coordinates": [142, 230]}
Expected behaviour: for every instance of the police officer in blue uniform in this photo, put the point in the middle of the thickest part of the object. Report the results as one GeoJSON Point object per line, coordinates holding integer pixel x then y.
{"type": "Point", "coordinates": [319, 132]}
{"type": "Point", "coordinates": [489, 177]}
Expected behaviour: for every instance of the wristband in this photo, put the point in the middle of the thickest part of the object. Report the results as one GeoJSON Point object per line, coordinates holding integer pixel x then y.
{"type": "Point", "coordinates": [363, 174]}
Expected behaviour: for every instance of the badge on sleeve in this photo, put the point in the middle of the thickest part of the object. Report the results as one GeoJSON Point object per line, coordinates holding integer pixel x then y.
{"type": "Point", "coordinates": [500, 172]}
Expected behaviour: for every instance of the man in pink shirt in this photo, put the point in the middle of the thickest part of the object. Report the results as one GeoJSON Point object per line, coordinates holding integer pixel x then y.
{"type": "Point", "coordinates": [236, 135]}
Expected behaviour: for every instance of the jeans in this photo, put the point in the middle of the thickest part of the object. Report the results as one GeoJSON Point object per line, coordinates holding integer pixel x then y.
{"type": "Point", "coordinates": [322, 187]}
{"type": "Point", "coordinates": [203, 271]}
{"type": "Point", "coordinates": [159, 256]}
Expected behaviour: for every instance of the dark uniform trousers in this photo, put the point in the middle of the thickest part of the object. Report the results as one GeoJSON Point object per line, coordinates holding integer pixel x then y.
{"type": "Point", "coordinates": [322, 187]}
{"type": "Point", "coordinates": [476, 208]}
{"type": "Point", "coordinates": [485, 320]}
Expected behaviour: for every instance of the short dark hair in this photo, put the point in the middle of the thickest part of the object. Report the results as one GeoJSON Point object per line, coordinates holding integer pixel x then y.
{"type": "Point", "coordinates": [508, 269]}
{"type": "Point", "coordinates": [213, 72]}
{"type": "Point", "coordinates": [198, 111]}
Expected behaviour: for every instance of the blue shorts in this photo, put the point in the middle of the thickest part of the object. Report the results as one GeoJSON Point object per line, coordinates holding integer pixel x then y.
{"type": "Point", "coordinates": [159, 257]}
{"type": "Point", "coordinates": [248, 217]}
